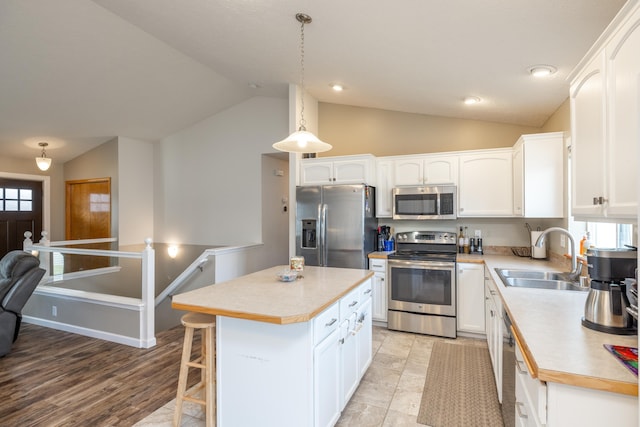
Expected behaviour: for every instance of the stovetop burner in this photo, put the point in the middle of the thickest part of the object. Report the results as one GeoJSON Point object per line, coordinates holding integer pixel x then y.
{"type": "Point", "coordinates": [425, 246]}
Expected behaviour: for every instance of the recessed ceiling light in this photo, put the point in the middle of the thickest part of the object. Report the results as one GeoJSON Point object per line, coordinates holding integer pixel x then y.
{"type": "Point", "coordinates": [542, 70]}
{"type": "Point", "coordinates": [337, 87]}
{"type": "Point", "coordinates": [470, 100]}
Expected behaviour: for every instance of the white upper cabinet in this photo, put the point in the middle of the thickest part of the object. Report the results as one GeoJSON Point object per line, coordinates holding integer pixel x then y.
{"type": "Point", "coordinates": [338, 170]}
{"type": "Point", "coordinates": [384, 188]}
{"type": "Point", "coordinates": [587, 130]}
{"type": "Point", "coordinates": [623, 68]}
{"type": "Point", "coordinates": [486, 184]}
{"type": "Point", "coordinates": [426, 170]}
{"type": "Point", "coordinates": [538, 176]}
{"type": "Point", "coordinates": [605, 106]}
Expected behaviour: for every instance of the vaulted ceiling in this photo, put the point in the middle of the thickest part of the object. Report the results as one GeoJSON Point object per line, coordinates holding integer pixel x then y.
{"type": "Point", "coordinates": [79, 72]}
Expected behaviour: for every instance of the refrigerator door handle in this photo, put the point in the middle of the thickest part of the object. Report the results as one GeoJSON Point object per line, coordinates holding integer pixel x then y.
{"type": "Point", "coordinates": [323, 234]}
{"type": "Point", "coordinates": [319, 230]}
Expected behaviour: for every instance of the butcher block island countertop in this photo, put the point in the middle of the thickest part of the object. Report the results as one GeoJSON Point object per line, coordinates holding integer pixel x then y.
{"type": "Point", "coordinates": [262, 297]}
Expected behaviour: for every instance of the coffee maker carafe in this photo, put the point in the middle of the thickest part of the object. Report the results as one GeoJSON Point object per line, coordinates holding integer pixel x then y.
{"type": "Point", "coordinates": [606, 307]}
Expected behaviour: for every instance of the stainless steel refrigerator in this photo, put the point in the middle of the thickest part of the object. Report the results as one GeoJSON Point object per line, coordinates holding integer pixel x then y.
{"type": "Point", "coordinates": [336, 225]}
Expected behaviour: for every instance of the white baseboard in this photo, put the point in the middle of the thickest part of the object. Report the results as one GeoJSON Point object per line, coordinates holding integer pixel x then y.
{"type": "Point", "coordinates": [93, 333]}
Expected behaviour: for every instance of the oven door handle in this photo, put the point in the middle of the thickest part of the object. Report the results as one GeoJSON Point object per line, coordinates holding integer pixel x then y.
{"type": "Point", "coordinates": [427, 265]}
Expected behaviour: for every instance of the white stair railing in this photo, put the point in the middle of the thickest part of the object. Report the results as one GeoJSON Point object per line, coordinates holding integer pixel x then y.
{"type": "Point", "coordinates": [45, 249]}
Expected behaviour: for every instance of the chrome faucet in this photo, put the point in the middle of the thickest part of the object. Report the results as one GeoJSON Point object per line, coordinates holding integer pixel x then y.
{"type": "Point", "coordinates": [576, 267]}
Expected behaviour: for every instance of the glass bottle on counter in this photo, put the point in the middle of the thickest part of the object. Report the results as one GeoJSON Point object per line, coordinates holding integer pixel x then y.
{"type": "Point", "coordinates": [466, 241]}
{"type": "Point", "coordinates": [460, 242]}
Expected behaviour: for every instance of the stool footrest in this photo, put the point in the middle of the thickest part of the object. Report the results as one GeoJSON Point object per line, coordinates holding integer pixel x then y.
{"type": "Point", "coordinates": [196, 364]}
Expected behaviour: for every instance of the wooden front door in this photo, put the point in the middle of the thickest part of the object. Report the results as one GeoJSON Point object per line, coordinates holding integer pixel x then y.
{"type": "Point", "coordinates": [20, 211]}
{"type": "Point", "coordinates": [88, 216]}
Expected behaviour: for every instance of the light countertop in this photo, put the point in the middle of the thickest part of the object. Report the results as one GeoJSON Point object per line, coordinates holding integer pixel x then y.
{"type": "Point", "coordinates": [261, 296]}
{"type": "Point", "coordinates": [548, 324]}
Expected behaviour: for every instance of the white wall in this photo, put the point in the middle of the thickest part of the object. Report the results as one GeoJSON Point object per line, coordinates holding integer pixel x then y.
{"type": "Point", "coordinates": [135, 170]}
{"type": "Point", "coordinates": [208, 177]}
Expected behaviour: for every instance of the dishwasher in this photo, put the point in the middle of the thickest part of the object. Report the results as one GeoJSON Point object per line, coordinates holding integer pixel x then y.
{"type": "Point", "coordinates": [508, 374]}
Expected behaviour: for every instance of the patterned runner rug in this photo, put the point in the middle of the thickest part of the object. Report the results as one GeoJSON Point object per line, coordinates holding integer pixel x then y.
{"type": "Point", "coordinates": [459, 389]}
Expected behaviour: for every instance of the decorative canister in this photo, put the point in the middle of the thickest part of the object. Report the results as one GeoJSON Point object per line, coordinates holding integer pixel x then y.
{"type": "Point", "coordinates": [297, 263]}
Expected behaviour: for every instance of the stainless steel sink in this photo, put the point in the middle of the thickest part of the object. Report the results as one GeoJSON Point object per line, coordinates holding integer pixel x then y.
{"type": "Point", "coordinates": [538, 280]}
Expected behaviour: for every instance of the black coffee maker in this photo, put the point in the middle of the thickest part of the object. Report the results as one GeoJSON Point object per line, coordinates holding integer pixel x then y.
{"type": "Point", "coordinates": [606, 307]}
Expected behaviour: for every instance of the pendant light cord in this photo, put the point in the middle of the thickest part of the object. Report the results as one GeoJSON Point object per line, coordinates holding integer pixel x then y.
{"type": "Point", "coordinates": [302, 121]}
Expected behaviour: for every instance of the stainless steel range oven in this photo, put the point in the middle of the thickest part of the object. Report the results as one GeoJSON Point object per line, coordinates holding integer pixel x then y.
{"type": "Point", "coordinates": [422, 283]}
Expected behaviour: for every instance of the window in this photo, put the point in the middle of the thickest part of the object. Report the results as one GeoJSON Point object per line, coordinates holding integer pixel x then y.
{"type": "Point", "coordinates": [16, 199]}
{"type": "Point", "coordinates": [605, 234]}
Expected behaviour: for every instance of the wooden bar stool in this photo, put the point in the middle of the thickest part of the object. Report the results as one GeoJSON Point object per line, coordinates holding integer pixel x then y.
{"type": "Point", "coordinates": [205, 362]}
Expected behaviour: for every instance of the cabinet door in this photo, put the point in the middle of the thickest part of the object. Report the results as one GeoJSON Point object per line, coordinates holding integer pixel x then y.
{"type": "Point", "coordinates": [409, 171]}
{"type": "Point", "coordinates": [470, 312]}
{"type": "Point", "coordinates": [352, 171]}
{"type": "Point", "coordinates": [349, 377]}
{"type": "Point", "coordinates": [486, 187]}
{"type": "Point", "coordinates": [316, 172]}
{"type": "Point", "coordinates": [364, 338]}
{"type": "Point", "coordinates": [623, 56]}
{"type": "Point", "coordinates": [441, 170]}
{"type": "Point", "coordinates": [379, 297]}
{"type": "Point", "coordinates": [518, 179]}
{"type": "Point", "coordinates": [326, 380]}
{"type": "Point", "coordinates": [588, 138]}
{"type": "Point", "coordinates": [384, 188]}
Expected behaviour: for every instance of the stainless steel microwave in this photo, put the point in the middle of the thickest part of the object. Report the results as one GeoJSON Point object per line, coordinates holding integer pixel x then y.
{"type": "Point", "coordinates": [425, 202]}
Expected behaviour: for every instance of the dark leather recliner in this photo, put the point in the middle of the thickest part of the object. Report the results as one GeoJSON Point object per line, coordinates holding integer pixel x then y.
{"type": "Point", "coordinates": [20, 273]}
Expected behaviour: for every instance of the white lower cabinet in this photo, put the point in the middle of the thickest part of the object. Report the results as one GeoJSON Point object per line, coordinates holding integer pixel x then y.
{"type": "Point", "coordinates": [531, 396]}
{"type": "Point", "coordinates": [494, 329]}
{"type": "Point", "coordinates": [298, 374]}
{"type": "Point", "coordinates": [550, 404]}
{"type": "Point", "coordinates": [470, 305]}
{"type": "Point", "coordinates": [326, 379]}
{"type": "Point", "coordinates": [379, 303]}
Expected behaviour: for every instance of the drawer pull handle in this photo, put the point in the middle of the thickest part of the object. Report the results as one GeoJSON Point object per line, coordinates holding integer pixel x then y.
{"type": "Point", "coordinates": [519, 364]}
{"type": "Point", "coordinates": [334, 320]}
{"type": "Point", "coordinates": [521, 413]}
{"type": "Point", "coordinates": [353, 303]}
{"type": "Point", "coordinates": [368, 291]}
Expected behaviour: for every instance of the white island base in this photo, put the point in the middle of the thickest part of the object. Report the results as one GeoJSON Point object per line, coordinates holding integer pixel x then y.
{"type": "Point", "coordinates": [297, 374]}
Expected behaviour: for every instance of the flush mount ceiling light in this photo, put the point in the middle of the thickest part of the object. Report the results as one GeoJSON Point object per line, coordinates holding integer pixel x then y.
{"type": "Point", "coordinates": [470, 100]}
{"type": "Point", "coordinates": [337, 87]}
{"type": "Point", "coordinates": [302, 141]}
{"type": "Point", "coordinates": [43, 161]}
{"type": "Point", "coordinates": [542, 70]}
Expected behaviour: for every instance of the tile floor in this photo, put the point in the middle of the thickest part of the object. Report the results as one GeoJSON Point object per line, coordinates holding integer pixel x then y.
{"type": "Point", "coordinates": [389, 393]}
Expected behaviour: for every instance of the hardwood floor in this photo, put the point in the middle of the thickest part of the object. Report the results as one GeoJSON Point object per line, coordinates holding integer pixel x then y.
{"type": "Point", "coordinates": [55, 378]}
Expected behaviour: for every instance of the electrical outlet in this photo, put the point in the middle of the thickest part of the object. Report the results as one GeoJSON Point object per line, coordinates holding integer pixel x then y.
{"type": "Point", "coordinates": [478, 233]}
{"type": "Point", "coordinates": [54, 311]}
{"type": "Point", "coordinates": [563, 240]}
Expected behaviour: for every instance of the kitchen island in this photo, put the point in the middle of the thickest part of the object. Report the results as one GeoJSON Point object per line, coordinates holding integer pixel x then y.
{"type": "Point", "coordinates": [287, 354]}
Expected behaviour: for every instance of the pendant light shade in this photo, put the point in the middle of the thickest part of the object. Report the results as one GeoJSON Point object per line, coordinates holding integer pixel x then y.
{"type": "Point", "coordinates": [43, 161]}
{"type": "Point", "coordinates": [302, 141]}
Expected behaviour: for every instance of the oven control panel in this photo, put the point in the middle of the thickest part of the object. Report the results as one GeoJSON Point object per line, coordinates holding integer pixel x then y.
{"type": "Point", "coordinates": [438, 237]}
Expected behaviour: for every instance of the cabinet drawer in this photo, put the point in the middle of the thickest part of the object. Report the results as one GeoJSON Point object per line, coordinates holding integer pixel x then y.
{"type": "Point", "coordinates": [379, 265]}
{"type": "Point", "coordinates": [349, 303]}
{"type": "Point", "coordinates": [366, 290]}
{"type": "Point", "coordinates": [533, 391]}
{"type": "Point", "coordinates": [326, 322]}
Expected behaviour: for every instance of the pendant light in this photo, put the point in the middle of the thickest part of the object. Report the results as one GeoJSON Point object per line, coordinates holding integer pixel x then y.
{"type": "Point", "coordinates": [43, 162]}
{"type": "Point", "coordinates": [302, 141]}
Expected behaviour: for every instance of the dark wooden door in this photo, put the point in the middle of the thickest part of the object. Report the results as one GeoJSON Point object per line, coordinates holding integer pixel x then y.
{"type": "Point", "coordinates": [88, 216]}
{"type": "Point", "coordinates": [20, 211]}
